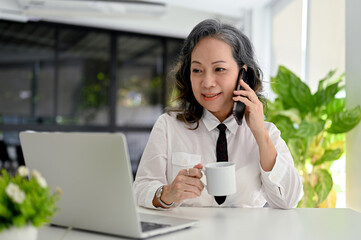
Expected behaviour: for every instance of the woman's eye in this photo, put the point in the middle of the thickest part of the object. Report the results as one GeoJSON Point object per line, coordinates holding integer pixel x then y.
{"type": "Point", "coordinates": [219, 69]}
{"type": "Point", "coordinates": [196, 70]}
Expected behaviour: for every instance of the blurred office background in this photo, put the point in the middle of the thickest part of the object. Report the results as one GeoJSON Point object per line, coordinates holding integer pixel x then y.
{"type": "Point", "coordinates": [101, 66]}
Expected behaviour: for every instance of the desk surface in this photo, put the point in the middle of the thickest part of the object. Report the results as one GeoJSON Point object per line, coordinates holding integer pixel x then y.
{"type": "Point", "coordinates": [241, 223]}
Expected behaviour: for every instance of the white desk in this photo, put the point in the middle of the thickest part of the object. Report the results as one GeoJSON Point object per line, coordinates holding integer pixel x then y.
{"type": "Point", "coordinates": [240, 223]}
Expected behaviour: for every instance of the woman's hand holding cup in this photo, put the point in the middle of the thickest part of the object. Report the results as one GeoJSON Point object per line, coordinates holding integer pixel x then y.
{"type": "Point", "coordinates": [186, 185]}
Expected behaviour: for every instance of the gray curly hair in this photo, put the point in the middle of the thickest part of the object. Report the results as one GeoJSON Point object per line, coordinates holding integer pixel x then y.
{"type": "Point", "coordinates": [189, 110]}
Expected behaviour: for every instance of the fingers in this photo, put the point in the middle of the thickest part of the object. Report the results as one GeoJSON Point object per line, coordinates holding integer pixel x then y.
{"type": "Point", "coordinates": [251, 95]}
{"type": "Point", "coordinates": [192, 178]}
{"type": "Point", "coordinates": [245, 100]}
{"type": "Point", "coordinates": [195, 182]}
{"type": "Point", "coordinates": [191, 181]}
{"type": "Point", "coordinates": [182, 194]}
{"type": "Point", "coordinates": [192, 172]}
{"type": "Point", "coordinates": [178, 191]}
{"type": "Point", "coordinates": [245, 85]}
{"type": "Point", "coordinates": [184, 187]}
{"type": "Point", "coordinates": [247, 92]}
{"type": "Point", "coordinates": [199, 166]}
{"type": "Point", "coordinates": [248, 97]}
{"type": "Point", "coordinates": [193, 185]}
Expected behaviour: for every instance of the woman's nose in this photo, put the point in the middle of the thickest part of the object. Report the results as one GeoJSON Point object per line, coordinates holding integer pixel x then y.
{"type": "Point", "coordinates": [209, 81]}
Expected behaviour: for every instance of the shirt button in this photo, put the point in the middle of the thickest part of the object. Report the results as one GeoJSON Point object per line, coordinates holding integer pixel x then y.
{"type": "Point", "coordinates": [185, 162]}
{"type": "Point", "coordinates": [274, 179]}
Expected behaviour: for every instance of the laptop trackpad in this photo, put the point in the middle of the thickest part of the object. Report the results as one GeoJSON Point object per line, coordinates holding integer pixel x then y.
{"type": "Point", "coordinates": [167, 220]}
{"type": "Point", "coordinates": [149, 226]}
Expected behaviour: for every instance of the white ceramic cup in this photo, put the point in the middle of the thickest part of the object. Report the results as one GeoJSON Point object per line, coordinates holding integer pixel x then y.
{"type": "Point", "coordinates": [221, 178]}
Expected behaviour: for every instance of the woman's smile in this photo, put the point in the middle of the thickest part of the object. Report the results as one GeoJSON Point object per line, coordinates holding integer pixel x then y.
{"type": "Point", "coordinates": [211, 96]}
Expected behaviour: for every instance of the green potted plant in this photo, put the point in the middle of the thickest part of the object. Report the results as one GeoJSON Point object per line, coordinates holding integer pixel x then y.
{"type": "Point", "coordinates": [26, 203]}
{"type": "Point", "coordinates": [93, 95]}
{"type": "Point", "coordinates": [314, 127]}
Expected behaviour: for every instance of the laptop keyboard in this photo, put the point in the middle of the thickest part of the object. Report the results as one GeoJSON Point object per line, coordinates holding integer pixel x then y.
{"type": "Point", "coordinates": [148, 226]}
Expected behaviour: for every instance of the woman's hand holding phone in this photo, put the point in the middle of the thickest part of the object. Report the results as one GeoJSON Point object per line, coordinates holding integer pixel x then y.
{"type": "Point", "coordinates": [255, 121]}
{"type": "Point", "coordinates": [253, 108]}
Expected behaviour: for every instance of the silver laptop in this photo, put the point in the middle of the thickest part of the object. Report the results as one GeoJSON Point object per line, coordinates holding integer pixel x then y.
{"type": "Point", "coordinates": [93, 171]}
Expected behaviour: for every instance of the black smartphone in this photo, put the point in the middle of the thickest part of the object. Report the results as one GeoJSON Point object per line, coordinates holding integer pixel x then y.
{"type": "Point", "coordinates": [239, 107]}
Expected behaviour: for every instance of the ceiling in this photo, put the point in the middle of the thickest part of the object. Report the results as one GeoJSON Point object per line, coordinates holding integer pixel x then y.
{"type": "Point", "coordinates": [162, 17]}
{"type": "Point", "coordinates": [230, 8]}
{"type": "Point", "coordinates": [24, 44]}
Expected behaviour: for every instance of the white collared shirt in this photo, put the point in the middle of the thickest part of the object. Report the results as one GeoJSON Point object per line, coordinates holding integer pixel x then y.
{"type": "Point", "coordinates": [172, 146]}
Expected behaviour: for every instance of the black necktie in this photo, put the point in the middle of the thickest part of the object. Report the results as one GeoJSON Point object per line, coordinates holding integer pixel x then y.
{"type": "Point", "coordinates": [222, 155]}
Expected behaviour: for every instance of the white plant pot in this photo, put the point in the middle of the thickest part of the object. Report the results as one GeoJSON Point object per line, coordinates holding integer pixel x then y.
{"type": "Point", "coordinates": [28, 232]}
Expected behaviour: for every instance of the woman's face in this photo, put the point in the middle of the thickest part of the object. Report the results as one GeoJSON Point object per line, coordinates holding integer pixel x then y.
{"type": "Point", "coordinates": [213, 76]}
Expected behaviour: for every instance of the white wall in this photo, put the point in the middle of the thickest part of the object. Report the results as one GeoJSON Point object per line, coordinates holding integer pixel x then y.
{"type": "Point", "coordinates": [325, 43]}
{"type": "Point", "coordinates": [353, 98]}
{"type": "Point", "coordinates": [260, 35]}
{"type": "Point", "coordinates": [326, 39]}
{"type": "Point", "coordinates": [286, 35]}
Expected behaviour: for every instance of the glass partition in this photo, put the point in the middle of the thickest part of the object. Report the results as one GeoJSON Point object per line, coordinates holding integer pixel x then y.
{"type": "Point", "coordinates": [139, 80]}
{"type": "Point", "coordinates": [26, 73]}
{"type": "Point", "coordinates": [56, 77]}
{"type": "Point", "coordinates": [83, 94]}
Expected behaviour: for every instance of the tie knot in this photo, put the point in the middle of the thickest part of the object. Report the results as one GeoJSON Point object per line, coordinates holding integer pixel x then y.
{"type": "Point", "coordinates": [222, 127]}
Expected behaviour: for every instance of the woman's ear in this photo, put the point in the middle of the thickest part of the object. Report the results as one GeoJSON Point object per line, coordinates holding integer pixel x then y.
{"type": "Point", "coordinates": [245, 67]}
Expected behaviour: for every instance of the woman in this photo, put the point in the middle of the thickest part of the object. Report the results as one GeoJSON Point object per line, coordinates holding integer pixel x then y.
{"type": "Point", "coordinates": [184, 140]}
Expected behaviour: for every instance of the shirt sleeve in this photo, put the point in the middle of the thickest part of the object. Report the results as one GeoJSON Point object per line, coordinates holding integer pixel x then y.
{"type": "Point", "coordinates": [282, 185]}
{"type": "Point", "coordinates": [151, 173]}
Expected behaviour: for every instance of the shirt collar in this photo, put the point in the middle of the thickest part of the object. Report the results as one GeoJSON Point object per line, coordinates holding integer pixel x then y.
{"type": "Point", "coordinates": [211, 122]}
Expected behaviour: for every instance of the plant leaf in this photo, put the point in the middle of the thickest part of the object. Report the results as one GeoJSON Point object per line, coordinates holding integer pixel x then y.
{"type": "Point", "coordinates": [330, 201]}
{"type": "Point", "coordinates": [345, 121]}
{"type": "Point", "coordinates": [285, 125]}
{"type": "Point", "coordinates": [273, 108]}
{"type": "Point", "coordinates": [309, 129]}
{"type": "Point", "coordinates": [308, 200]}
{"type": "Point", "coordinates": [335, 105]}
{"type": "Point", "coordinates": [324, 184]}
{"type": "Point", "coordinates": [327, 77]}
{"type": "Point", "coordinates": [302, 95]}
{"type": "Point", "coordinates": [281, 85]}
{"type": "Point", "coordinates": [292, 114]}
{"type": "Point", "coordinates": [19, 221]}
{"type": "Point", "coordinates": [329, 155]}
{"type": "Point", "coordinates": [296, 147]}
{"type": "Point", "coordinates": [4, 212]}
{"type": "Point", "coordinates": [323, 96]}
